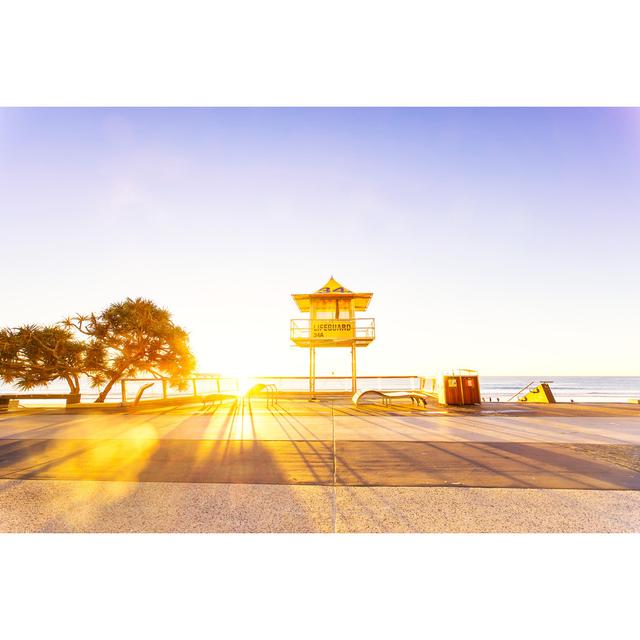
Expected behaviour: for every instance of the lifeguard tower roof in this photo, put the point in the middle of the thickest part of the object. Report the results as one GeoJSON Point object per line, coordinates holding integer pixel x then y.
{"type": "Point", "coordinates": [332, 290]}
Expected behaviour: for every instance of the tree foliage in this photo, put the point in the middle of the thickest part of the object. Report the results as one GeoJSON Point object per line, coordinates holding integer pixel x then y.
{"type": "Point", "coordinates": [33, 356]}
{"type": "Point", "coordinates": [126, 339]}
{"type": "Point", "coordinates": [131, 337]}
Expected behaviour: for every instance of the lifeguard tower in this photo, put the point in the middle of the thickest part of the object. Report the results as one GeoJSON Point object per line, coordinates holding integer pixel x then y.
{"type": "Point", "coordinates": [332, 322]}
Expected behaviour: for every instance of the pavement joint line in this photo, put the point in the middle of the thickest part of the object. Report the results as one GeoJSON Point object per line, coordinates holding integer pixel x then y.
{"type": "Point", "coordinates": [335, 471]}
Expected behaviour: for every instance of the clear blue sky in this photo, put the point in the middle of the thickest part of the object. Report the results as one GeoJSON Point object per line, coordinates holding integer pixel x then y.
{"type": "Point", "coordinates": [500, 239]}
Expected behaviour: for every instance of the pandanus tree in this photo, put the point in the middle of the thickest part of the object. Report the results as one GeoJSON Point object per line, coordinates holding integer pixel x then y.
{"type": "Point", "coordinates": [132, 337]}
{"type": "Point", "coordinates": [33, 356]}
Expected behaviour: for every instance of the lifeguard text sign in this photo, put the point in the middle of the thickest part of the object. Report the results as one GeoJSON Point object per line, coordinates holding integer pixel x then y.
{"type": "Point", "coordinates": [332, 329]}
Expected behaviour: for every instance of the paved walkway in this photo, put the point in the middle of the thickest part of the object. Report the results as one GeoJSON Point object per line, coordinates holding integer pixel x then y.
{"type": "Point", "coordinates": [301, 420]}
{"type": "Point", "coordinates": [356, 463]}
{"type": "Point", "coordinates": [390, 468]}
{"type": "Point", "coordinates": [85, 506]}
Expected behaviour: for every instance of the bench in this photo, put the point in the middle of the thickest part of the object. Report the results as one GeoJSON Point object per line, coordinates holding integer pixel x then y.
{"type": "Point", "coordinates": [11, 400]}
{"type": "Point", "coordinates": [417, 397]}
{"type": "Point", "coordinates": [270, 390]}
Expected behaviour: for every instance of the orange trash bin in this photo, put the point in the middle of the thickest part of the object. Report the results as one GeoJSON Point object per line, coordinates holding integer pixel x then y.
{"type": "Point", "coordinates": [460, 389]}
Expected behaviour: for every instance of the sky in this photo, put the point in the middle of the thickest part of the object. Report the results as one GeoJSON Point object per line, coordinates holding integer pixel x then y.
{"type": "Point", "coordinates": [498, 239]}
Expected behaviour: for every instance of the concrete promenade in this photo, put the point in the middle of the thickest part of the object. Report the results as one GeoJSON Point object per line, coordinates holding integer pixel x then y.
{"type": "Point", "coordinates": [322, 466]}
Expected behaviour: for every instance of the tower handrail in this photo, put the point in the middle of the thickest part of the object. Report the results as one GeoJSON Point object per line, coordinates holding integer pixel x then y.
{"type": "Point", "coordinates": [517, 393]}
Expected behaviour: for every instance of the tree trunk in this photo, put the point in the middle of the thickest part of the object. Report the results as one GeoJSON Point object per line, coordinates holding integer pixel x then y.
{"type": "Point", "coordinates": [74, 384]}
{"type": "Point", "coordinates": [105, 392]}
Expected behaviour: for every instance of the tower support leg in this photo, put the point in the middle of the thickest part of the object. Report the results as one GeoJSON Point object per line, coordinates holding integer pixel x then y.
{"type": "Point", "coordinates": [354, 375]}
{"type": "Point", "coordinates": [312, 373]}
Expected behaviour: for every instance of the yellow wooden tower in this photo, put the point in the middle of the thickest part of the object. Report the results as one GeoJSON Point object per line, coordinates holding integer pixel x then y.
{"type": "Point", "coordinates": [332, 322]}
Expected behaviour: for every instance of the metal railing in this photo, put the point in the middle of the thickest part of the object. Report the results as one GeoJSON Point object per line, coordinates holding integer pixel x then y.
{"type": "Point", "coordinates": [536, 382]}
{"type": "Point", "coordinates": [194, 386]}
{"type": "Point", "coordinates": [364, 328]}
{"type": "Point", "coordinates": [200, 386]}
{"type": "Point", "coordinates": [272, 394]}
{"type": "Point", "coordinates": [340, 384]}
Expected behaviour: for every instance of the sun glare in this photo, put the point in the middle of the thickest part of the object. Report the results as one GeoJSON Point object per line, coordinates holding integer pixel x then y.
{"type": "Point", "coordinates": [243, 385]}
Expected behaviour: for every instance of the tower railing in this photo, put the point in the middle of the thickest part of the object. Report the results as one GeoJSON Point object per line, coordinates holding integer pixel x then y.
{"type": "Point", "coordinates": [365, 328]}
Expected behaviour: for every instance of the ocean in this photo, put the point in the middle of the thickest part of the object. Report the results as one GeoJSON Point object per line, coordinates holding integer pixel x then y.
{"type": "Point", "coordinates": [566, 388]}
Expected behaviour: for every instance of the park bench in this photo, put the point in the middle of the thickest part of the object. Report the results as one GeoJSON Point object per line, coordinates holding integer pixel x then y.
{"type": "Point", "coordinates": [417, 397]}
{"type": "Point", "coordinates": [11, 400]}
